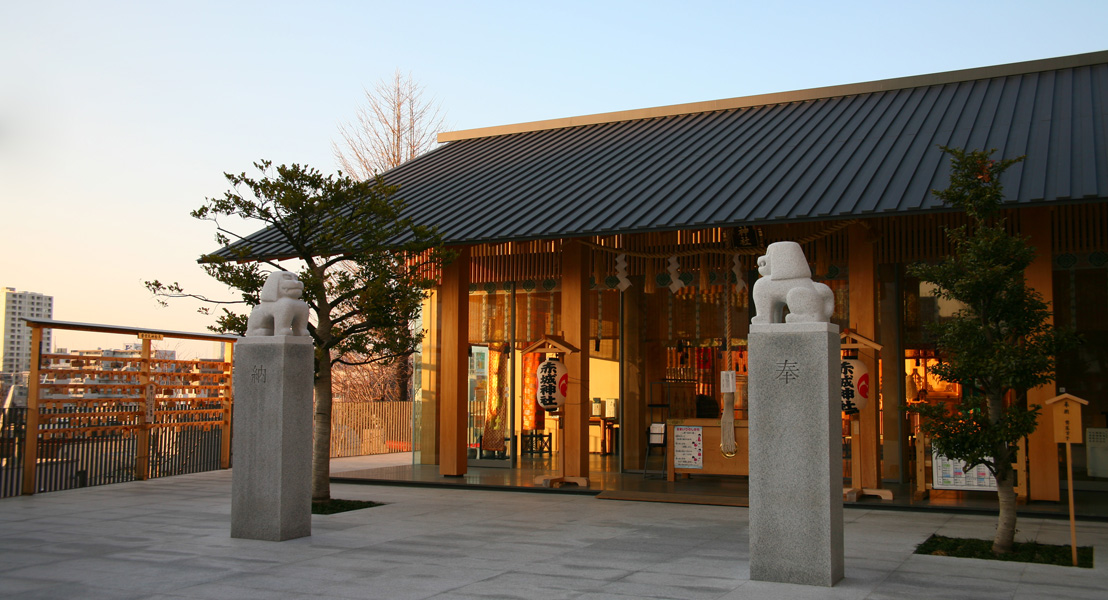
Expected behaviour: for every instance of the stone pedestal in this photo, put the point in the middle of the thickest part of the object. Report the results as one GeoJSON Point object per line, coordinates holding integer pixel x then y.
{"type": "Point", "coordinates": [271, 490]}
{"type": "Point", "coordinates": [796, 475]}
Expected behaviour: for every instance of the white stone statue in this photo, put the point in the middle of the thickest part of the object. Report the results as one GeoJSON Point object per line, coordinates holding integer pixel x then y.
{"type": "Point", "coordinates": [786, 280]}
{"type": "Point", "coordinates": [281, 312]}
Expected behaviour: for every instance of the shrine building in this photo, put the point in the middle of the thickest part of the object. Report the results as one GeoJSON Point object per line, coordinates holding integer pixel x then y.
{"type": "Point", "coordinates": [613, 239]}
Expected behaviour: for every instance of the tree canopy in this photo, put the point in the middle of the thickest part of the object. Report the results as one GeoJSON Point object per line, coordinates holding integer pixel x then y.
{"type": "Point", "coordinates": [1001, 344]}
{"type": "Point", "coordinates": [365, 267]}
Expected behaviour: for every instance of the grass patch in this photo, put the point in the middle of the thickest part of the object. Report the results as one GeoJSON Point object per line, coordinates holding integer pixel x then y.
{"type": "Point", "coordinates": [335, 505]}
{"type": "Point", "coordinates": [1029, 552]}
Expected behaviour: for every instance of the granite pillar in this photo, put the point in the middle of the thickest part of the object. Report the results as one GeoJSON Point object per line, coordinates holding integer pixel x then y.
{"type": "Point", "coordinates": [796, 479]}
{"type": "Point", "coordinates": [271, 493]}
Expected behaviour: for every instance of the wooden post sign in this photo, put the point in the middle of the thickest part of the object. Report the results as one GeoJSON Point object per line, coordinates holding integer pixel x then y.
{"type": "Point", "coordinates": [1067, 418]}
{"type": "Point", "coordinates": [1067, 430]}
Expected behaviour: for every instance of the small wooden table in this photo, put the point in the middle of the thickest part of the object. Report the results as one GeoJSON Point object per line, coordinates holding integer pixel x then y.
{"type": "Point", "coordinates": [608, 433]}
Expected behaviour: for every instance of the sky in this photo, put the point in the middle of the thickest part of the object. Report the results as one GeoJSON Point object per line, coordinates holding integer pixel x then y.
{"type": "Point", "coordinates": [119, 118]}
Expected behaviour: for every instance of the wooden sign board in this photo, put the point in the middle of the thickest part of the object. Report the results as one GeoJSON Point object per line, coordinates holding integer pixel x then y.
{"type": "Point", "coordinates": [1067, 418]}
{"type": "Point", "coordinates": [1067, 430]}
{"type": "Point", "coordinates": [150, 336]}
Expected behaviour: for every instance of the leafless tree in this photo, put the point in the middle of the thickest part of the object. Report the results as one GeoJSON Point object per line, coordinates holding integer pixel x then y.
{"type": "Point", "coordinates": [373, 382]}
{"type": "Point", "coordinates": [396, 124]}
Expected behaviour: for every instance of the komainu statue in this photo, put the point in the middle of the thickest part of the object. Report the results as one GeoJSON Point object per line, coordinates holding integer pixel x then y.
{"type": "Point", "coordinates": [786, 280]}
{"type": "Point", "coordinates": [281, 311]}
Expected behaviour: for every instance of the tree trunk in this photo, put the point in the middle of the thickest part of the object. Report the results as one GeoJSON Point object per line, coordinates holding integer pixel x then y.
{"type": "Point", "coordinates": [321, 417]}
{"type": "Point", "coordinates": [1006, 520]}
{"type": "Point", "coordinates": [321, 432]}
{"type": "Point", "coordinates": [1005, 484]}
{"type": "Point", "coordinates": [404, 378]}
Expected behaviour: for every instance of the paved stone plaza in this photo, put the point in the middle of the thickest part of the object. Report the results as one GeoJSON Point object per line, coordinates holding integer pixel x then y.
{"type": "Point", "coordinates": [170, 538]}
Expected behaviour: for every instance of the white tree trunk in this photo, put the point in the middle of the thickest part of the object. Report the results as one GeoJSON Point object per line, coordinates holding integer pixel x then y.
{"type": "Point", "coordinates": [1005, 484]}
{"type": "Point", "coordinates": [1006, 520]}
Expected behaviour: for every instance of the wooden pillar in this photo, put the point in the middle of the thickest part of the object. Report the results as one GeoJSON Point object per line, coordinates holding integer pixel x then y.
{"type": "Point", "coordinates": [894, 420]}
{"type": "Point", "coordinates": [1042, 451]}
{"type": "Point", "coordinates": [30, 441]}
{"type": "Point", "coordinates": [227, 402]}
{"type": "Point", "coordinates": [655, 332]}
{"type": "Point", "coordinates": [633, 396]}
{"type": "Point", "coordinates": [146, 417]}
{"type": "Point", "coordinates": [429, 383]}
{"type": "Point", "coordinates": [454, 393]}
{"type": "Point", "coordinates": [863, 319]}
{"type": "Point", "coordinates": [575, 321]}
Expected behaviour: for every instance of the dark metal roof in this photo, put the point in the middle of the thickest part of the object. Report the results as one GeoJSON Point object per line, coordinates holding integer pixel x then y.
{"type": "Point", "coordinates": [826, 157]}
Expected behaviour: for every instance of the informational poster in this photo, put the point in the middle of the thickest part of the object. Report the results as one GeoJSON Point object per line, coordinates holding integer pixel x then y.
{"type": "Point", "coordinates": [948, 474]}
{"type": "Point", "coordinates": [688, 447]}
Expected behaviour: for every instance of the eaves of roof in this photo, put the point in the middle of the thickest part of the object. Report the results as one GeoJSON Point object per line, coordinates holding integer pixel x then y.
{"type": "Point", "coordinates": [832, 153]}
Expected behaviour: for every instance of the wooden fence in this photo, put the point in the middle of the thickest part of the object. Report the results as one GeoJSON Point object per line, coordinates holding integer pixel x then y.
{"type": "Point", "coordinates": [361, 428]}
{"type": "Point", "coordinates": [118, 416]}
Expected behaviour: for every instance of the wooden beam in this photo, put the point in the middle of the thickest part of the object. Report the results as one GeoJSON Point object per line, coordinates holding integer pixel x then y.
{"type": "Point", "coordinates": [139, 331]}
{"type": "Point", "coordinates": [575, 322]}
{"type": "Point", "coordinates": [30, 440]}
{"type": "Point", "coordinates": [1042, 451]}
{"type": "Point", "coordinates": [227, 402]}
{"type": "Point", "coordinates": [145, 416]}
{"type": "Point", "coordinates": [454, 393]}
{"type": "Point", "coordinates": [863, 319]}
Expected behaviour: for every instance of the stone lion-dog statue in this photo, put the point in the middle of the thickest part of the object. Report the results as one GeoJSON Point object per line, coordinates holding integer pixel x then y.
{"type": "Point", "coordinates": [281, 311]}
{"type": "Point", "coordinates": [786, 280]}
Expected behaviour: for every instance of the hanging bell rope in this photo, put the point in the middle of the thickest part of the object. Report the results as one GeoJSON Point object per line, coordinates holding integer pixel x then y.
{"type": "Point", "coordinates": [727, 419]}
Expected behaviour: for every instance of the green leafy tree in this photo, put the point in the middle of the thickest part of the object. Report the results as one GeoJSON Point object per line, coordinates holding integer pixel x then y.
{"type": "Point", "coordinates": [998, 346]}
{"type": "Point", "coordinates": [364, 267]}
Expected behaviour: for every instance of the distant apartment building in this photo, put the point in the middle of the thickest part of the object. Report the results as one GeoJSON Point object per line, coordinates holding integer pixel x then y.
{"type": "Point", "coordinates": [16, 351]}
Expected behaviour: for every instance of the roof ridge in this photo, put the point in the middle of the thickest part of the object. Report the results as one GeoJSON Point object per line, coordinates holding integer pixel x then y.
{"type": "Point", "coordinates": [913, 81]}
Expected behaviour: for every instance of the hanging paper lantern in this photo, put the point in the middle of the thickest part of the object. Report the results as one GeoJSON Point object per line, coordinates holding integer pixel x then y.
{"type": "Point", "coordinates": [855, 386]}
{"type": "Point", "coordinates": [553, 381]}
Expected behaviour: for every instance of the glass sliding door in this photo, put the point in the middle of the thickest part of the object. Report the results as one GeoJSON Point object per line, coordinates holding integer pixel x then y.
{"type": "Point", "coordinates": [490, 435]}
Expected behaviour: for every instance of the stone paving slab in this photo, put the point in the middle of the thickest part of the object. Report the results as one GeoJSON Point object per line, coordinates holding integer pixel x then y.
{"type": "Point", "coordinates": [170, 539]}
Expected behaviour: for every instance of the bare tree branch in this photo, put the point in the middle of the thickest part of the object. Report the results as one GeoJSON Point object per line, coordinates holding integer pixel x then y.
{"type": "Point", "coordinates": [396, 124]}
